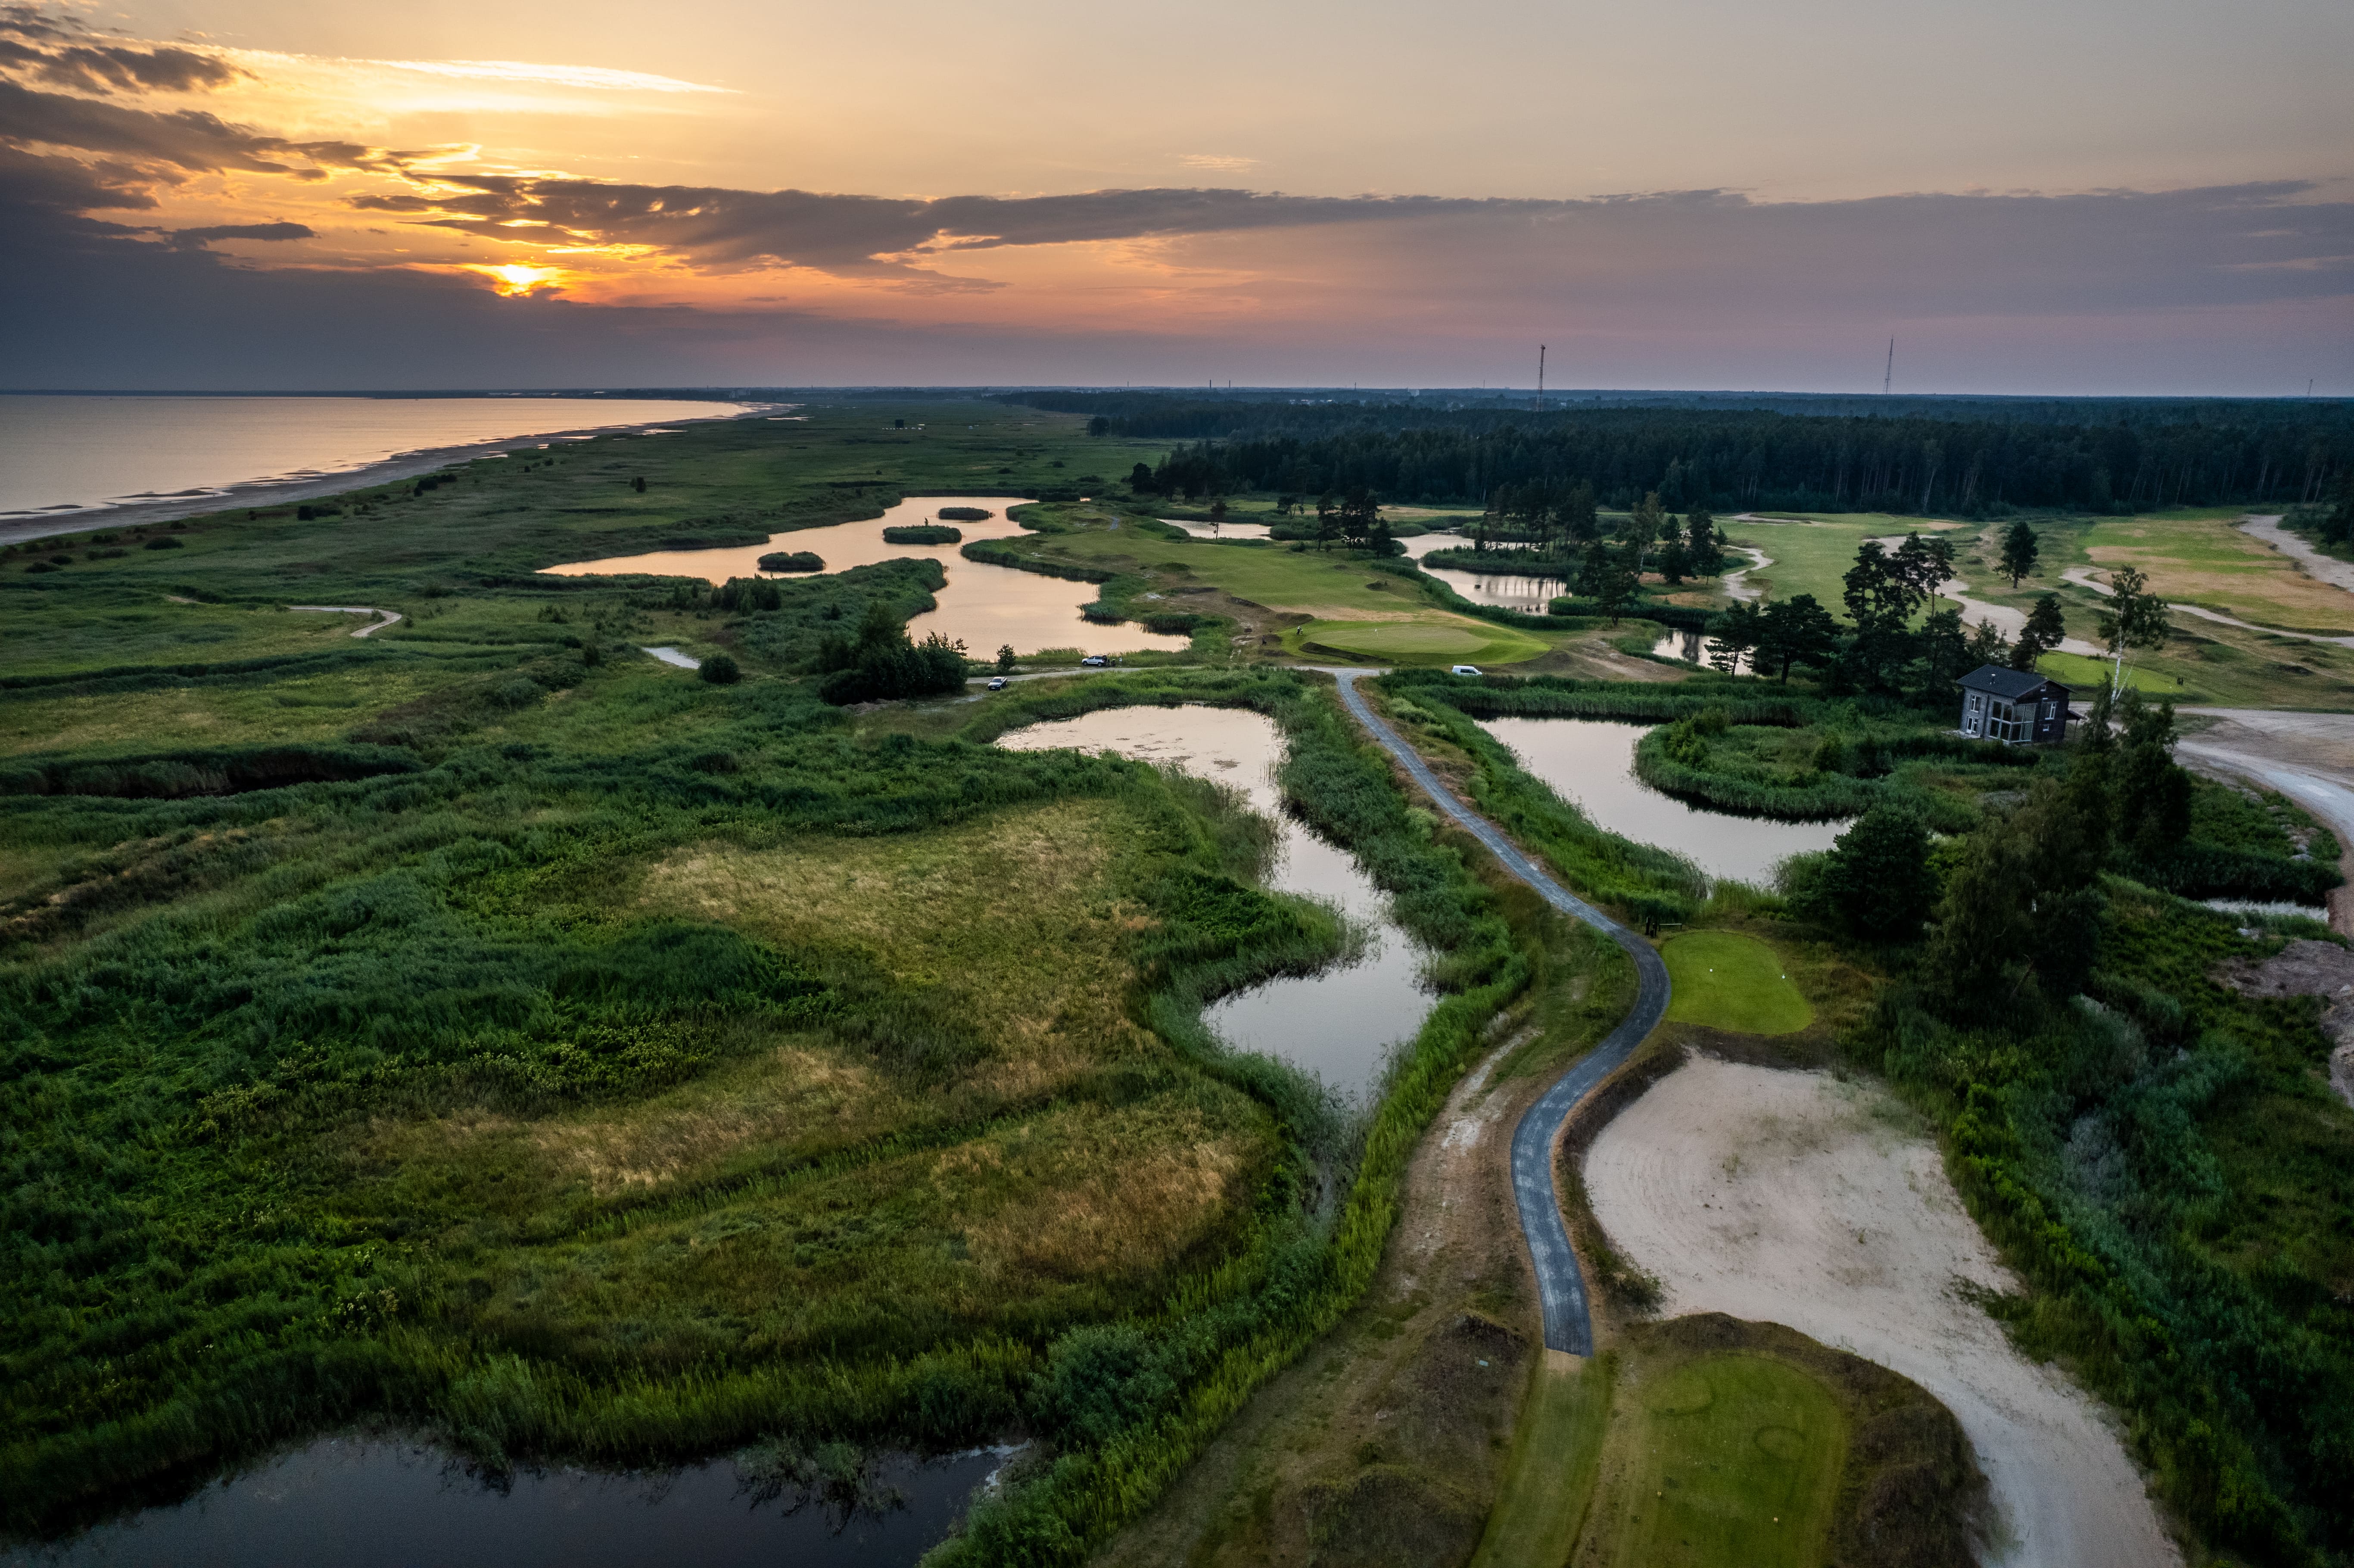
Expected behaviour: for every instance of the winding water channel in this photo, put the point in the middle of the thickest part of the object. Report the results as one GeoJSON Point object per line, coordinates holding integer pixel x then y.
{"type": "Point", "coordinates": [1507, 590]}
{"type": "Point", "coordinates": [1592, 762]}
{"type": "Point", "coordinates": [381, 1502]}
{"type": "Point", "coordinates": [1340, 1024]}
{"type": "Point", "coordinates": [983, 606]}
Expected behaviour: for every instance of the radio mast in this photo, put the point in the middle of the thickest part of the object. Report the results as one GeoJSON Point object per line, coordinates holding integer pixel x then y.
{"type": "Point", "coordinates": [1888, 379]}
{"type": "Point", "coordinates": [1541, 351]}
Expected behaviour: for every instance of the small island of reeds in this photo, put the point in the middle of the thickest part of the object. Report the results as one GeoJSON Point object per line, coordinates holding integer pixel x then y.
{"type": "Point", "coordinates": [792, 561]}
{"type": "Point", "coordinates": [924, 533]}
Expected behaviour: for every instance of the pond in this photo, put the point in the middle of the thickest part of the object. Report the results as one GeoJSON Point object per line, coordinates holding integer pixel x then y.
{"type": "Point", "coordinates": [1220, 530]}
{"type": "Point", "coordinates": [1340, 1024]}
{"type": "Point", "coordinates": [983, 606]}
{"type": "Point", "coordinates": [373, 1502]}
{"type": "Point", "coordinates": [1506, 590]}
{"type": "Point", "coordinates": [1592, 762]}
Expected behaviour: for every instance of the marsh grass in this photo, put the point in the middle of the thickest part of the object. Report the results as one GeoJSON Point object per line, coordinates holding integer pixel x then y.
{"type": "Point", "coordinates": [2167, 1170]}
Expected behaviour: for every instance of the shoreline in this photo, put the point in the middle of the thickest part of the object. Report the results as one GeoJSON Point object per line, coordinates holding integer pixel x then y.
{"type": "Point", "coordinates": [313, 487]}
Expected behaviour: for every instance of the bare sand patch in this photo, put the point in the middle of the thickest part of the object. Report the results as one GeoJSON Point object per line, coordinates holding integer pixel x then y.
{"type": "Point", "coordinates": [1794, 1198]}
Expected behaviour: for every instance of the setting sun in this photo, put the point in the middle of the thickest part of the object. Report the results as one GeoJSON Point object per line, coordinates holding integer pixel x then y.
{"type": "Point", "coordinates": [517, 279]}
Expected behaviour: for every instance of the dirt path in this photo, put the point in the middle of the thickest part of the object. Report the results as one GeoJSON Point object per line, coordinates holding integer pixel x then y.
{"type": "Point", "coordinates": [2310, 561]}
{"type": "Point", "coordinates": [2309, 757]}
{"type": "Point", "coordinates": [1391, 1429]}
{"type": "Point", "coordinates": [2011, 622]}
{"type": "Point", "coordinates": [1736, 583]}
{"type": "Point", "coordinates": [1797, 1199]}
{"type": "Point", "coordinates": [384, 617]}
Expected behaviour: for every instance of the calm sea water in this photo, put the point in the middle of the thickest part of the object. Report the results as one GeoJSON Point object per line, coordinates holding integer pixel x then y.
{"type": "Point", "coordinates": [60, 453]}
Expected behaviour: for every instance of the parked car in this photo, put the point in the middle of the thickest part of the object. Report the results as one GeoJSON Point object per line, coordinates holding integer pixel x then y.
{"type": "Point", "coordinates": [1095, 661]}
{"type": "Point", "coordinates": [1466, 670]}
{"type": "Point", "coordinates": [997, 682]}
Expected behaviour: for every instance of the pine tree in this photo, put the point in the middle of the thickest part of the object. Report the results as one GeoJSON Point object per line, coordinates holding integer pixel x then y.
{"type": "Point", "coordinates": [2040, 635]}
{"type": "Point", "coordinates": [2020, 549]}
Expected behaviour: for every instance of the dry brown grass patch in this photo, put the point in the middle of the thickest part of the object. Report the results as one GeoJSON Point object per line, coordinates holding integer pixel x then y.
{"type": "Point", "coordinates": [1107, 1212]}
{"type": "Point", "coordinates": [1015, 917]}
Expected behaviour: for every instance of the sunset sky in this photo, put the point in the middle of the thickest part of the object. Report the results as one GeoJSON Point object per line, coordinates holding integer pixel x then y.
{"type": "Point", "coordinates": [2083, 197]}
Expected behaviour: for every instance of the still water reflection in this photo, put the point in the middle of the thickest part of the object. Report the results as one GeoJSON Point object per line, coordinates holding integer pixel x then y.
{"type": "Point", "coordinates": [373, 1503]}
{"type": "Point", "coordinates": [1507, 591]}
{"type": "Point", "coordinates": [1692, 648]}
{"type": "Point", "coordinates": [1592, 762]}
{"type": "Point", "coordinates": [1220, 530]}
{"type": "Point", "coordinates": [983, 606]}
{"type": "Point", "coordinates": [1340, 1024]}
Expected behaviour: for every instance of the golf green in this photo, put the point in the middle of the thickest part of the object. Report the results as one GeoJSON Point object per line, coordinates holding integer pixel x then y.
{"type": "Point", "coordinates": [1732, 1460]}
{"type": "Point", "coordinates": [1725, 980]}
{"type": "Point", "coordinates": [1433, 639]}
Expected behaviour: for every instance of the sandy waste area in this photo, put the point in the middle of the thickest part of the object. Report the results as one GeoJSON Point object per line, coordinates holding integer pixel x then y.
{"type": "Point", "coordinates": [1798, 1199]}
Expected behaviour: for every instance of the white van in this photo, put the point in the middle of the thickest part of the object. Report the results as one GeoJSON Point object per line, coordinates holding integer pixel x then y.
{"type": "Point", "coordinates": [1464, 669]}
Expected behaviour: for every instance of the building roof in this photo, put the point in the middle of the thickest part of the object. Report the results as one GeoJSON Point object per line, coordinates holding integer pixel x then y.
{"type": "Point", "coordinates": [2009, 685]}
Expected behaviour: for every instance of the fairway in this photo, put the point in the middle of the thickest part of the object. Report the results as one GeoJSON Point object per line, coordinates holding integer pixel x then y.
{"type": "Point", "coordinates": [1725, 980]}
{"type": "Point", "coordinates": [1813, 555]}
{"type": "Point", "coordinates": [2202, 559]}
{"type": "Point", "coordinates": [1728, 1459]}
{"type": "Point", "coordinates": [2084, 676]}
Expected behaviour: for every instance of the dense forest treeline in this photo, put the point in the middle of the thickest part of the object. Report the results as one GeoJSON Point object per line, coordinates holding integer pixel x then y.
{"type": "Point", "coordinates": [2117, 455]}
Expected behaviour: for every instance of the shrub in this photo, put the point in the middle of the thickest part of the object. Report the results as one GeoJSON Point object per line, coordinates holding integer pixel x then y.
{"type": "Point", "coordinates": [164, 542]}
{"type": "Point", "coordinates": [1877, 882]}
{"type": "Point", "coordinates": [720, 671]}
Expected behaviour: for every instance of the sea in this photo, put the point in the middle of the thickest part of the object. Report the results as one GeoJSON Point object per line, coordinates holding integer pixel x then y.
{"type": "Point", "coordinates": [68, 456]}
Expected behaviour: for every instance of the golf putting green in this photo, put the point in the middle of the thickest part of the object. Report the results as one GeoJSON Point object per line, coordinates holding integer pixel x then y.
{"type": "Point", "coordinates": [1432, 642]}
{"type": "Point", "coordinates": [1728, 1459]}
{"type": "Point", "coordinates": [1736, 983]}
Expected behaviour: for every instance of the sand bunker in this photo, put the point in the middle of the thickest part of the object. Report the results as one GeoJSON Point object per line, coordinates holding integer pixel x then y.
{"type": "Point", "coordinates": [1794, 1198]}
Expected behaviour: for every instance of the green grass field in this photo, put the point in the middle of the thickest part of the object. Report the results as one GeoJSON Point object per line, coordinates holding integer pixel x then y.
{"type": "Point", "coordinates": [1726, 980]}
{"type": "Point", "coordinates": [1555, 1459]}
{"type": "Point", "coordinates": [1811, 556]}
{"type": "Point", "coordinates": [2197, 556]}
{"type": "Point", "coordinates": [2193, 554]}
{"type": "Point", "coordinates": [2086, 675]}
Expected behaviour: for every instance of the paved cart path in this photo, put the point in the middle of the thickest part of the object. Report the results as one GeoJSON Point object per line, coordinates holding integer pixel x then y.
{"type": "Point", "coordinates": [1568, 1324]}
